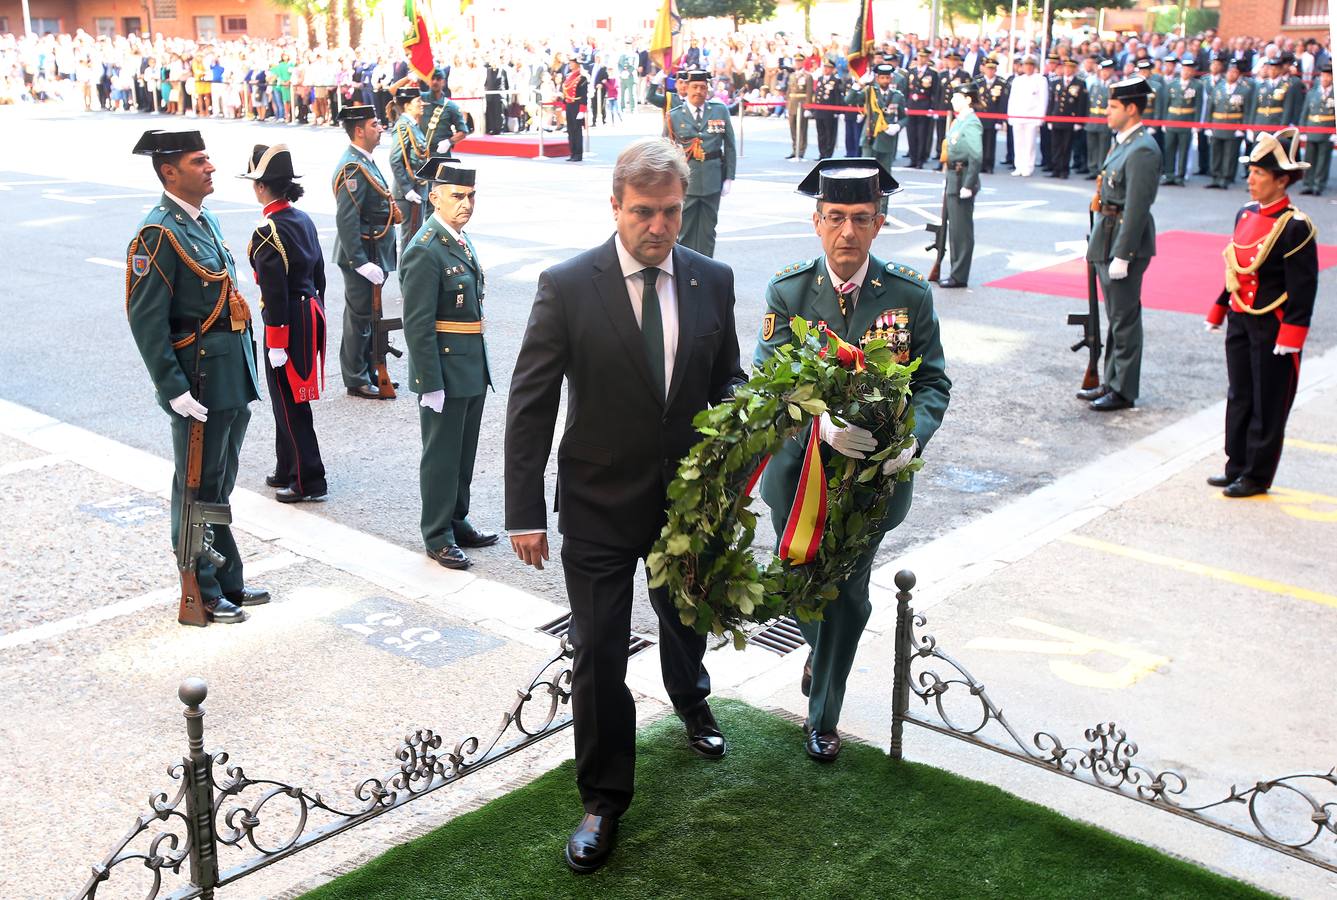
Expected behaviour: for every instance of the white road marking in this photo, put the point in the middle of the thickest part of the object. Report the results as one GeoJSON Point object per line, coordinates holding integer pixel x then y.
{"type": "Point", "coordinates": [89, 201]}
{"type": "Point", "coordinates": [28, 465]}
{"type": "Point", "coordinates": [50, 220]}
{"type": "Point", "coordinates": [103, 261]}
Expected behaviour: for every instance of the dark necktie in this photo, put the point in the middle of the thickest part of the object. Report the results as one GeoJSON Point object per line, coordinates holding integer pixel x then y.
{"type": "Point", "coordinates": [652, 328]}
{"type": "Point", "coordinates": [698, 118]}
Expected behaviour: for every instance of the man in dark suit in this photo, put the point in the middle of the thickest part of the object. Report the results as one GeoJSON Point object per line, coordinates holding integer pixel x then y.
{"type": "Point", "coordinates": [643, 332]}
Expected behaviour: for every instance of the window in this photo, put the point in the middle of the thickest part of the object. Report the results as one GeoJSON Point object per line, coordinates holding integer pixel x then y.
{"type": "Point", "coordinates": [4, 25]}
{"type": "Point", "coordinates": [131, 25]}
{"type": "Point", "coordinates": [104, 27]}
{"type": "Point", "coordinates": [1306, 12]}
{"type": "Point", "coordinates": [283, 21]}
{"type": "Point", "coordinates": [46, 26]}
{"type": "Point", "coordinates": [234, 24]}
{"type": "Point", "coordinates": [206, 28]}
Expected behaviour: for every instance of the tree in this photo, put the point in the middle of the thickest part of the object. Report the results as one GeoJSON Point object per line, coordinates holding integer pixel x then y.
{"type": "Point", "coordinates": [968, 10]}
{"type": "Point", "coordinates": [806, 6]}
{"type": "Point", "coordinates": [307, 9]}
{"type": "Point", "coordinates": [354, 15]}
{"type": "Point", "coordinates": [332, 24]}
{"type": "Point", "coordinates": [1056, 5]}
{"type": "Point", "coordinates": [739, 10]}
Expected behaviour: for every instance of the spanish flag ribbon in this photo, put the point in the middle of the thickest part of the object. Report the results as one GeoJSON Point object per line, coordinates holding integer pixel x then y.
{"type": "Point", "coordinates": [807, 515]}
{"type": "Point", "coordinates": [847, 355]}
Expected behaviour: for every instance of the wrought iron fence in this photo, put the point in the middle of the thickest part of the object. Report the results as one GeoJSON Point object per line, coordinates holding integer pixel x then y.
{"type": "Point", "coordinates": [1107, 762]}
{"type": "Point", "coordinates": [207, 811]}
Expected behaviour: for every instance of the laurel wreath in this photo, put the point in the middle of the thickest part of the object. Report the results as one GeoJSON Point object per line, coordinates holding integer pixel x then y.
{"type": "Point", "coordinates": [704, 554]}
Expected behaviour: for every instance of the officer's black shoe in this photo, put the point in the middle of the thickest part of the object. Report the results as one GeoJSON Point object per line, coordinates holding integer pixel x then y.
{"type": "Point", "coordinates": [275, 481]}
{"type": "Point", "coordinates": [288, 495]}
{"type": "Point", "coordinates": [791, 156]}
{"type": "Point", "coordinates": [450, 556]}
{"type": "Point", "coordinates": [805, 683]}
{"type": "Point", "coordinates": [703, 732]}
{"type": "Point", "coordinates": [225, 612]}
{"type": "Point", "coordinates": [1244, 487]}
{"type": "Point", "coordinates": [468, 536]}
{"type": "Point", "coordinates": [949, 283]}
{"type": "Point", "coordinates": [248, 597]}
{"type": "Point", "coordinates": [1094, 393]}
{"type": "Point", "coordinates": [1306, 190]}
{"type": "Point", "coordinates": [365, 391]}
{"type": "Point", "coordinates": [1111, 402]}
{"type": "Point", "coordinates": [591, 843]}
{"type": "Point", "coordinates": [823, 746]}
{"type": "Point", "coordinates": [1219, 480]}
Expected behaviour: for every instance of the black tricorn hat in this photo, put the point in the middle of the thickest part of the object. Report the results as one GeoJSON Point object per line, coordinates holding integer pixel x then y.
{"type": "Point", "coordinates": [884, 69]}
{"type": "Point", "coordinates": [968, 88]}
{"type": "Point", "coordinates": [405, 94]}
{"type": "Point", "coordinates": [1137, 86]}
{"type": "Point", "coordinates": [445, 170]}
{"type": "Point", "coordinates": [270, 164]}
{"type": "Point", "coordinates": [695, 75]}
{"type": "Point", "coordinates": [156, 141]}
{"type": "Point", "coordinates": [857, 180]}
{"type": "Point", "coordinates": [1107, 64]}
{"type": "Point", "coordinates": [359, 113]}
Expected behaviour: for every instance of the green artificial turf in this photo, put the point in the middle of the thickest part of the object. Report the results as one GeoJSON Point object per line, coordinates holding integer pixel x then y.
{"type": "Point", "coordinates": [768, 822]}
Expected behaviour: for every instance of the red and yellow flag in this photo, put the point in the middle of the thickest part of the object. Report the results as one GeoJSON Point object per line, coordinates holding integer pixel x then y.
{"type": "Point", "coordinates": [861, 47]}
{"type": "Point", "coordinates": [807, 515]}
{"type": "Point", "coordinates": [417, 42]}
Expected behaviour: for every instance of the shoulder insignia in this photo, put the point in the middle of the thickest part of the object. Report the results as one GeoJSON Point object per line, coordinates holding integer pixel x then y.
{"type": "Point", "coordinates": [794, 269]}
{"type": "Point", "coordinates": [906, 272]}
{"type": "Point", "coordinates": [768, 326]}
{"type": "Point", "coordinates": [139, 265]}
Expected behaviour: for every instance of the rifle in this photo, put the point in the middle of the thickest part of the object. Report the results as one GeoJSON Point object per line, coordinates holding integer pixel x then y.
{"type": "Point", "coordinates": [939, 246]}
{"type": "Point", "coordinates": [380, 341]}
{"type": "Point", "coordinates": [1090, 320]}
{"type": "Point", "coordinates": [195, 537]}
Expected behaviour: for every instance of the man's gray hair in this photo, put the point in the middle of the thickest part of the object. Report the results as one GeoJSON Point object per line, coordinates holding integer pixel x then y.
{"type": "Point", "coordinates": [649, 163]}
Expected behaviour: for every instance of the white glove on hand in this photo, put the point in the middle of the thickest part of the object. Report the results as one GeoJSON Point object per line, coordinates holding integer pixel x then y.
{"type": "Point", "coordinates": [1049, 126]}
{"type": "Point", "coordinates": [1151, 129]}
{"type": "Point", "coordinates": [850, 440]}
{"type": "Point", "coordinates": [726, 187]}
{"type": "Point", "coordinates": [580, 117]}
{"type": "Point", "coordinates": [966, 193]}
{"type": "Point", "coordinates": [1208, 133]}
{"type": "Point", "coordinates": [1241, 134]}
{"type": "Point", "coordinates": [1283, 350]}
{"type": "Point", "coordinates": [893, 130]}
{"type": "Point", "coordinates": [1077, 128]}
{"type": "Point", "coordinates": [371, 272]}
{"type": "Point", "coordinates": [188, 406]}
{"type": "Point", "coordinates": [1000, 127]}
{"type": "Point", "coordinates": [1210, 326]}
{"type": "Point", "coordinates": [1118, 269]}
{"type": "Point", "coordinates": [412, 197]}
{"type": "Point", "coordinates": [278, 357]}
{"type": "Point", "coordinates": [433, 400]}
{"type": "Point", "coordinates": [901, 460]}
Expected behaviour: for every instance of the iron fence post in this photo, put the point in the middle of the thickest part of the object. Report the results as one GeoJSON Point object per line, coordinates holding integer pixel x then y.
{"type": "Point", "coordinates": [900, 684]}
{"type": "Point", "coordinates": [200, 792]}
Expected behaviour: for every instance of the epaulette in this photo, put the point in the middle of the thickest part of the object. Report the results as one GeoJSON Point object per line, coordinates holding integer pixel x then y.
{"type": "Point", "coordinates": [907, 273]}
{"type": "Point", "coordinates": [427, 236]}
{"type": "Point", "coordinates": [794, 269]}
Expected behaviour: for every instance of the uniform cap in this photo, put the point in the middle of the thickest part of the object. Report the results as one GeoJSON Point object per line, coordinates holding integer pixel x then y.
{"type": "Point", "coordinates": [405, 94]}
{"type": "Point", "coordinates": [1130, 88]}
{"type": "Point", "coordinates": [1326, 67]}
{"type": "Point", "coordinates": [969, 88]}
{"type": "Point", "coordinates": [156, 141]}
{"type": "Point", "coordinates": [1107, 64]}
{"type": "Point", "coordinates": [1188, 60]}
{"type": "Point", "coordinates": [884, 69]}
{"type": "Point", "coordinates": [1240, 63]}
{"type": "Point", "coordinates": [829, 61]}
{"type": "Point", "coordinates": [954, 54]}
{"type": "Point", "coordinates": [269, 164]}
{"type": "Point", "coordinates": [990, 61]}
{"type": "Point", "coordinates": [1144, 63]}
{"type": "Point", "coordinates": [446, 170]}
{"type": "Point", "coordinates": [858, 180]}
{"type": "Point", "coordinates": [359, 113]}
{"type": "Point", "coordinates": [1269, 152]}
{"type": "Point", "coordinates": [694, 75]}
{"type": "Point", "coordinates": [1070, 61]}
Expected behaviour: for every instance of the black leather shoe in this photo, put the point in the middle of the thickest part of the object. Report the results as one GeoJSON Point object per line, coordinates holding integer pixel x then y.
{"type": "Point", "coordinates": [1094, 393]}
{"type": "Point", "coordinates": [1219, 480]}
{"type": "Point", "coordinates": [469, 536]}
{"type": "Point", "coordinates": [1111, 402]}
{"type": "Point", "coordinates": [1244, 487]}
{"type": "Point", "coordinates": [703, 734]}
{"type": "Point", "coordinates": [225, 612]}
{"type": "Point", "coordinates": [288, 495]}
{"type": "Point", "coordinates": [450, 556]}
{"type": "Point", "coordinates": [1306, 190]}
{"type": "Point", "coordinates": [591, 843]}
{"type": "Point", "coordinates": [823, 746]}
{"type": "Point", "coordinates": [805, 683]}
{"type": "Point", "coordinates": [365, 391]}
{"type": "Point", "coordinates": [949, 283]}
{"type": "Point", "coordinates": [248, 597]}
{"type": "Point", "coordinates": [275, 482]}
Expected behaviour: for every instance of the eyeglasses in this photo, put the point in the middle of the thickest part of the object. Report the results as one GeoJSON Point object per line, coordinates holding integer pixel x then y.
{"type": "Point", "coordinates": [838, 220]}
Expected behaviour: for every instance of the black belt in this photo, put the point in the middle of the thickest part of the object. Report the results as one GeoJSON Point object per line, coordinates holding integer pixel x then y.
{"type": "Point", "coordinates": [187, 326]}
{"type": "Point", "coordinates": [957, 166]}
{"type": "Point", "coordinates": [1111, 209]}
{"type": "Point", "coordinates": [715, 155]}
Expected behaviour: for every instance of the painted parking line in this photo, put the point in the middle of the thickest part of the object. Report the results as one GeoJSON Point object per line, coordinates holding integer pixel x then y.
{"type": "Point", "coordinates": [1193, 568]}
{"type": "Point", "coordinates": [103, 261]}
{"type": "Point", "coordinates": [1304, 505]}
{"type": "Point", "coordinates": [1297, 444]}
{"type": "Point", "coordinates": [1137, 663]}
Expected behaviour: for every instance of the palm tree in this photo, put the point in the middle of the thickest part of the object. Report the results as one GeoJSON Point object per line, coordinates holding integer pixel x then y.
{"type": "Point", "coordinates": [307, 9]}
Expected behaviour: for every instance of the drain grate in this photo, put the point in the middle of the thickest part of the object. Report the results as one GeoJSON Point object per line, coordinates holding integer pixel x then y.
{"type": "Point", "coordinates": [560, 626]}
{"type": "Point", "coordinates": [781, 636]}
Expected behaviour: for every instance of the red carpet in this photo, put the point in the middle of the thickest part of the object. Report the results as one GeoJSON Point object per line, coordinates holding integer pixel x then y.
{"type": "Point", "coordinates": [522, 145]}
{"type": "Point", "coordinates": [1185, 275]}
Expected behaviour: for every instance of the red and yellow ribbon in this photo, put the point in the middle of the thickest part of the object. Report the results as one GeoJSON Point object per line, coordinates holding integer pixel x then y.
{"type": "Point", "coordinates": [807, 515]}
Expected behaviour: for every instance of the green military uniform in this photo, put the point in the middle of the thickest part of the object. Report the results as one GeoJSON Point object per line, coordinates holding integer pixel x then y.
{"type": "Point", "coordinates": [443, 287]}
{"type": "Point", "coordinates": [1318, 113]}
{"type": "Point", "coordinates": [441, 118]}
{"type": "Point", "coordinates": [1183, 99]}
{"type": "Point", "coordinates": [180, 274]}
{"type": "Point", "coordinates": [884, 113]}
{"type": "Point", "coordinates": [365, 215]}
{"type": "Point", "coordinates": [1156, 108]}
{"type": "Point", "coordinates": [706, 136]}
{"type": "Point", "coordinates": [965, 154]}
{"type": "Point", "coordinates": [1227, 110]}
{"type": "Point", "coordinates": [1270, 104]}
{"type": "Point", "coordinates": [1293, 101]}
{"type": "Point", "coordinates": [627, 63]}
{"type": "Point", "coordinates": [1125, 230]}
{"type": "Point", "coordinates": [1097, 133]}
{"type": "Point", "coordinates": [408, 151]}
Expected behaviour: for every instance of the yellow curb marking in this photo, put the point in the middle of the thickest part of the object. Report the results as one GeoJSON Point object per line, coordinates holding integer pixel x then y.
{"type": "Point", "coordinates": [1297, 444]}
{"type": "Point", "coordinates": [1296, 503]}
{"type": "Point", "coordinates": [1139, 663]}
{"type": "Point", "coordinates": [1192, 568]}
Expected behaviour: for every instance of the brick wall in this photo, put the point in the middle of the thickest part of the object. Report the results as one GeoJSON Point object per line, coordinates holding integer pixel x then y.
{"type": "Point", "coordinates": [1262, 19]}
{"type": "Point", "coordinates": [173, 18]}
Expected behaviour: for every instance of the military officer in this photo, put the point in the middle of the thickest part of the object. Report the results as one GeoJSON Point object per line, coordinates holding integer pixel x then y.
{"type": "Point", "coordinates": [923, 85]}
{"type": "Point", "coordinates": [1183, 103]}
{"type": "Point", "coordinates": [1227, 111]}
{"type": "Point", "coordinates": [1067, 97]}
{"type": "Point", "coordinates": [443, 287]}
{"type": "Point", "coordinates": [1097, 103]}
{"type": "Point", "coordinates": [949, 78]}
{"type": "Point", "coordinates": [859, 297]}
{"type": "Point", "coordinates": [1215, 75]}
{"type": "Point", "coordinates": [1292, 104]}
{"type": "Point", "coordinates": [364, 250]}
{"type": "Point", "coordinates": [1123, 240]}
{"type": "Point", "coordinates": [1269, 111]}
{"type": "Point", "coordinates": [408, 151]}
{"type": "Point", "coordinates": [965, 155]}
{"type": "Point", "coordinates": [798, 91]}
{"type": "Point", "coordinates": [701, 127]}
{"type": "Point", "coordinates": [828, 91]}
{"type": "Point", "coordinates": [993, 93]}
{"type": "Point", "coordinates": [884, 117]}
{"type": "Point", "coordinates": [187, 317]}
{"type": "Point", "coordinates": [1271, 284]}
{"type": "Point", "coordinates": [1318, 113]}
{"type": "Point", "coordinates": [441, 119]}
{"type": "Point", "coordinates": [1156, 83]}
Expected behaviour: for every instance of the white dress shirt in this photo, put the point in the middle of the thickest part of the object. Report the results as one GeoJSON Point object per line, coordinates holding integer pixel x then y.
{"type": "Point", "coordinates": [192, 211]}
{"type": "Point", "coordinates": [667, 289]}
{"type": "Point", "coordinates": [457, 235]}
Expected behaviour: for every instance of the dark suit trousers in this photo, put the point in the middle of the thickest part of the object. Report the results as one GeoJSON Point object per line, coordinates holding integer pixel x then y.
{"type": "Point", "coordinates": [599, 590]}
{"type": "Point", "coordinates": [1258, 401]}
{"type": "Point", "coordinates": [223, 434]}
{"type": "Point", "coordinates": [1060, 149]}
{"type": "Point", "coordinates": [827, 127]}
{"type": "Point", "coordinates": [295, 447]}
{"type": "Point", "coordinates": [990, 146]}
{"type": "Point", "coordinates": [921, 137]}
{"type": "Point", "coordinates": [575, 131]}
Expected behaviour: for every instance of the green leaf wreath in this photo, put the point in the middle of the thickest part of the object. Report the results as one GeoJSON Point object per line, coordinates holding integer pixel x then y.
{"type": "Point", "coordinates": [704, 554]}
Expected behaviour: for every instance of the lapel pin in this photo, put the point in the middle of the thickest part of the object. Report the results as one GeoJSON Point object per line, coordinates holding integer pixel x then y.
{"type": "Point", "coordinates": [819, 280]}
{"type": "Point", "coordinates": [876, 283]}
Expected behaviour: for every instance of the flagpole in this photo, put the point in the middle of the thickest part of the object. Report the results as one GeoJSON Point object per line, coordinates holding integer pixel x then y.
{"type": "Point", "coordinates": [1012, 41]}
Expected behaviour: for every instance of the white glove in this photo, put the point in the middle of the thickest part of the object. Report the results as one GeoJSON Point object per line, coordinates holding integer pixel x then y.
{"type": "Point", "coordinates": [1241, 134]}
{"type": "Point", "coordinates": [1151, 129]}
{"type": "Point", "coordinates": [966, 193]}
{"type": "Point", "coordinates": [893, 130]}
{"type": "Point", "coordinates": [1210, 326]}
{"type": "Point", "coordinates": [188, 406]}
{"type": "Point", "coordinates": [412, 197]}
{"type": "Point", "coordinates": [1208, 133]}
{"type": "Point", "coordinates": [726, 187]}
{"type": "Point", "coordinates": [1077, 128]}
{"type": "Point", "coordinates": [433, 400]}
{"type": "Point", "coordinates": [371, 272]}
{"type": "Point", "coordinates": [580, 117]}
{"type": "Point", "coordinates": [850, 441]}
{"type": "Point", "coordinates": [1049, 126]}
{"type": "Point", "coordinates": [1001, 126]}
{"type": "Point", "coordinates": [1283, 350]}
{"type": "Point", "coordinates": [278, 357]}
{"type": "Point", "coordinates": [1118, 269]}
{"type": "Point", "coordinates": [900, 461]}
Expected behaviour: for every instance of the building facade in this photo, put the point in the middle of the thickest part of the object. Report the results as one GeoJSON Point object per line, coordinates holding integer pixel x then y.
{"type": "Point", "coordinates": [196, 19]}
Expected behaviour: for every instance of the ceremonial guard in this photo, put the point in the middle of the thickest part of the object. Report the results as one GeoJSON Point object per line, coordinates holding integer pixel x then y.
{"type": "Point", "coordinates": [1097, 103]}
{"type": "Point", "coordinates": [1183, 103]}
{"type": "Point", "coordinates": [1028, 95]}
{"type": "Point", "coordinates": [701, 127]}
{"type": "Point", "coordinates": [923, 87]}
{"type": "Point", "coordinates": [1269, 111]}
{"type": "Point", "coordinates": [442, 123]}
{"type": "Point", "coordinates": [965, 155]}
{"type": "Point", "coordinates": [443, 287]}
{"type": "Point", "coordinates": [1123, 240]}
{"type": "Point", "coordinates": [884, 116]}
{"type": "Point", "coordinates": [575, 98]}
{"type": "Point", "coordinates": [860, 298]}
{"type": "Point", "coordinates": [188, 319]}
{"type": "Point", "coordinates": [289, 268]}
{"type": "Point", "coordinates": [1207, 88]}
{"type": "Point", "coordinates": [1067, 97]}
{"type": "Point", "coordinates": [829, 91]}
{"type": "Point", "coordinates": [1156, 84]}
{"type": "Point", "coordinates": [408, 151]}
{"type": "Point", "coordinates": [366, 215]}
{"type": "Point", "coordinates": [798, 91]}
{"type": "Point", "coordinates": [949, 79]}
{"type": "Point", "coordinates": [1271, 283]}
{"type": "Point", "coordinates": [1292, 104]}
{"type": "Point", "coordinates": [1318, 113]}
{"type": "Point", "coordinates": [1228, 109]}
{"type": "Point", "coordinates": [992, 98]}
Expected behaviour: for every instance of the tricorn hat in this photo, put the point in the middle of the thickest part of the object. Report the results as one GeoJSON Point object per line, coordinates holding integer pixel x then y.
{"type": "Point", "coordinates": [357, 113]}
{"type": "Point", "coordinates": [270, 164]}
{"type": "Point", "coordinates": [1269, 151]}
{"type": "Point", "coordinates": [857, 180]}
{"type": "Point", "coordinates": [1129, 88]}
{"type": "Point", "coordinates": [445, 170]}
{"type": "Point", "coordinates": [968, 88]}
{"type": "Point", "coordinates": [405, 94]}
{"type": "Point", "coordinates": [884, 69]}
{"type": "Point", "coordinates": [691, 75]}
{"type": "Point", "coordinates": [155, 141]}
{"type": "Point", "coordinates": [1144, 63]}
